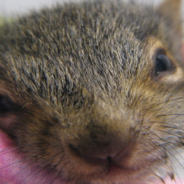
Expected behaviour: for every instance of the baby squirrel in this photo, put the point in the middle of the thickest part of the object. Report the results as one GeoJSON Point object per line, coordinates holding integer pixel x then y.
{"type": "Point", "coordinates": [93, 92]}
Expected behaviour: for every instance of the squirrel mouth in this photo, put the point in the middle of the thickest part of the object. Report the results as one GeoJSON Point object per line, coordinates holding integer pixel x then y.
{"type": "Point", "coordinates": [15, 169]}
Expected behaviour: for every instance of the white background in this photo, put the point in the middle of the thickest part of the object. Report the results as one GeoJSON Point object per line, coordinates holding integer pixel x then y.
{"type": "Point", "coordinates": [18, 7]}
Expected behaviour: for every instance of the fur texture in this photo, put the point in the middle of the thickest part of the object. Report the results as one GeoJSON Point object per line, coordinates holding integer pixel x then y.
{"type": "Point", "coordinates": [79, 83]}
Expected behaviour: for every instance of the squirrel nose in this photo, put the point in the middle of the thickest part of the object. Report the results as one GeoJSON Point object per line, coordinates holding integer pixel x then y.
{"type": "Point", "coordinates": [102, 133]}
{"type": "Point", "coordinates": [102, 142]}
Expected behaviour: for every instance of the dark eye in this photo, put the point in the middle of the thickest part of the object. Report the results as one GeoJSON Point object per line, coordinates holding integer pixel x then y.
{"type": "Point", "coordinates": [6, 105]}
{"type": "Point", "coordinates": [162, 64]}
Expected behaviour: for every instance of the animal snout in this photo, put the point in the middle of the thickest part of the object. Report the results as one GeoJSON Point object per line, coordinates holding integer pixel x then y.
{"type": "Point", "coordinates": [102, 140]}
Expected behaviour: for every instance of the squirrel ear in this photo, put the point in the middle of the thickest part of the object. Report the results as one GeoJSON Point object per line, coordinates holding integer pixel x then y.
{"type": "Point", "coordinates": [171, 9]}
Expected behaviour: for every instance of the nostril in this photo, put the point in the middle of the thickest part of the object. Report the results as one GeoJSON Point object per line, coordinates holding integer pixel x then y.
{"type": "Point", "coordinates": [73, 148]}
{"type": "Point", "coordinates": [109, 159]}
{"type": "Point", "coordinates": [103, 159]}
{"type": "Point", "coordinates": [96, 154]}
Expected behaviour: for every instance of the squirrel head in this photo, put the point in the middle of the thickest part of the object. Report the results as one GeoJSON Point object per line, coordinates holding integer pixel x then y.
{"type": "Point", "coordinates": [94, 91]}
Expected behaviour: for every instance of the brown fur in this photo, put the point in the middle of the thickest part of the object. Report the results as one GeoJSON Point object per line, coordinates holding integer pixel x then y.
{"type": "Point", "coordinates": [81, 84]}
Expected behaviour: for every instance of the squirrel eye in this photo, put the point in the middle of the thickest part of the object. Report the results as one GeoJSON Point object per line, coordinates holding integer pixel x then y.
{"type": "Point", "coordinates": [162, 63]}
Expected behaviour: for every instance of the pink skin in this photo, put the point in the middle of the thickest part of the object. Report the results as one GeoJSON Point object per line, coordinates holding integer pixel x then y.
{"type": "Point", "coordinates": [14, 169]}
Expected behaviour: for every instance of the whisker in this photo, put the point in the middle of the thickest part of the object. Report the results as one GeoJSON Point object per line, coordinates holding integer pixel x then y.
{"type": "Point", "coordinates": [14, 163]}
{"type": "Point", "coordinates": [58, 174]}
{"type": "Point", "coordinates": [171, 166]}
{"type": "Point", "coordinates": [175, 114]}
{"type": "Point", "coordinates": [160, 178]}
{"type": "Point", "coordinates": [23, 160]}
{"type": "Point", "coordinates": [169, 133]}
{"type": "Point", "coordinates": [45, 167]}
{"type": "Point", "coordinates": [20, 172]}
{"type": "Point", "coordinates": [164, 140]}
{"type": "Point", "coordinates": [7, 150]}
{"type": "Point", "coordinates": [31, 173]}
{"type": "Point", "coordinates": [170, 148]}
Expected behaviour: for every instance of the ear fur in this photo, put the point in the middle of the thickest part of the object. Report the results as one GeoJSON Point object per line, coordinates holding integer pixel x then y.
{"type": "Point", "coordinates": [171, 10]}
